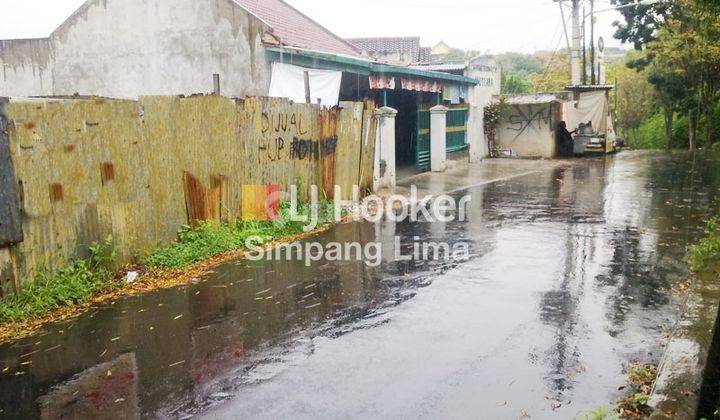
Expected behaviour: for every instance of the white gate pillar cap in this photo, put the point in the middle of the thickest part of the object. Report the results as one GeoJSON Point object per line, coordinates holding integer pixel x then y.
{"type": "Point", "coordinates": [439, 109]}
{"type": "Point", "coordinates": [386, 111]}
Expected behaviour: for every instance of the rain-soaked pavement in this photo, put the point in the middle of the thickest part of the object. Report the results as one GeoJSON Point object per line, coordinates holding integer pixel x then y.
{"type": "Point", "coordinates": [571, 274]}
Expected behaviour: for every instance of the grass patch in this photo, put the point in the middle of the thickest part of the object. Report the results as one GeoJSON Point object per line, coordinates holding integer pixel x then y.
{"type": "Point", "coordinates": [76, 283]}
{"type": "Point", "coordinates": [211, 239]}
{"type": "Point", "coordinates": [634, 405]}
{"type": "Point", "coordinates": [640, 377]}
{"type": "Point", "coordinates": [705, 255]}
{"type": "Point", "coordinates": [82, 280]}
{"type": "Point", "coordinates": [600, 413]}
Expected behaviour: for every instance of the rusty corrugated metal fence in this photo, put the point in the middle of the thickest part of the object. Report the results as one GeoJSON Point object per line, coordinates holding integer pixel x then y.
{"type": "Point", "coordinates": [139, 170]}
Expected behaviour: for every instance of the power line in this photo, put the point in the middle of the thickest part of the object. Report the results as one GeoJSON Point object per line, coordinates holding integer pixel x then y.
{"type": "Point", "coordinates": [457, 6]}
{"type": "Point", "coordinates": [497, 25]}
{"type": "Point", "coordinates": [525, 25]}
{"type": "Point", "coordinates": [552, 57]}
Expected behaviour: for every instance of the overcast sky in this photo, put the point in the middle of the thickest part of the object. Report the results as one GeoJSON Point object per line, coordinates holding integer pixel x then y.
{"type": "Point", "coordinates": [486, 25]}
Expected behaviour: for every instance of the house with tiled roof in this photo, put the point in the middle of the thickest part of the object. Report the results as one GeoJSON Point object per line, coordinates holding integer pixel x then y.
{"type": "Point", "coordinates": [129, 48]}
{"type": "Point", "coordinates": [241, 48]}
{"type": "Point", "coordinates": [293, 28]}
{"type": "Point", "coordinates": [401, 50]}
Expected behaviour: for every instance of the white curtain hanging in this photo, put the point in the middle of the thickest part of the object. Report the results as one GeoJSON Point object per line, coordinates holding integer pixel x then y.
{"type": "Point", "coordinates": [288, 81]}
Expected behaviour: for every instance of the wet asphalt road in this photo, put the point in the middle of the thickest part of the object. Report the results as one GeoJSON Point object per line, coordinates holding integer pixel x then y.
{"type": "Point", "coordinates": [573, 272]}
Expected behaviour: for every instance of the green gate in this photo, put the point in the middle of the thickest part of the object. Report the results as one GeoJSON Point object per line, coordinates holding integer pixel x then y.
{"type": "Point", "coordinates": [422, 141]}
{"type": "Point", "coordinates": [457, 129]}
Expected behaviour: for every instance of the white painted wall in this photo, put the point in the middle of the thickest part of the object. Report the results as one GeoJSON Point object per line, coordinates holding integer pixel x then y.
{"type": "Point", "coordinates": [529, 130]}
{"type": "Point", "coordinates": [129, 48]}
{"type": "Point", "coordinates": [488, 72]}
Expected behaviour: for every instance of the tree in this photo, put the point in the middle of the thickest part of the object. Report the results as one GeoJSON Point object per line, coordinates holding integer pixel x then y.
{"type": "Point", "coordinates": [634, 95]}
{"type": "Point", "coordinates": [641, 22]}
{"type": "Point", "coordinates": [682, 60]}
{"type": "Point", "coordinates": [518, 63]}
{"type": "Point", "coordinates": [555, 75]}
{"type": "Point", "coordinates": [687, 62]}
{"type": "Point", "coordinates": [515, 84]}
{"type": "Point", "coordinates": [670, 93]}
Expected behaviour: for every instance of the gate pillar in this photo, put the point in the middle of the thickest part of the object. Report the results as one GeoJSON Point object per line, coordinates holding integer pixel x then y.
{"type": "Point", "coordinates": [438, 138]}
{"type": "Point", "coordinates": [384, 171]}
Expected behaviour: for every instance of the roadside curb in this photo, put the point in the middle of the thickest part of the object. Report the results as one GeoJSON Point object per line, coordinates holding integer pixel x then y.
{"type": "Point", "coordinates": [676, 393]}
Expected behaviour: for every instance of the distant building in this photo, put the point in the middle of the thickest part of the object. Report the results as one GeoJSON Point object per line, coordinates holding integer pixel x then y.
{"type": "Point", "coordinates": [401, 50]}
{"type": "Point", "coordinates": [440, 50]}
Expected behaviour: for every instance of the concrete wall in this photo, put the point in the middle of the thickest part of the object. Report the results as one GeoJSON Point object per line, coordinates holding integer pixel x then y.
{"type": "Point", "coordinates": [528, 130]}
{"type": "Point", "coordinates": [128, 48]}
{"type": "Point", "coordinates": [27, 67]}
{"type": "Point", "coordinates": [93, 168]}
{"type": "Point", "coordinates": [488, 73]}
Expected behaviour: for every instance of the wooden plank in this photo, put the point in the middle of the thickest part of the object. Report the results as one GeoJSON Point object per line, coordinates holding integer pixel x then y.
{"type": "Point", "coordinates": [349, 148]}
{"type": "Point", "coordinates": [367, 152]}
{"type": "Point", "coordinates": [328, 152]}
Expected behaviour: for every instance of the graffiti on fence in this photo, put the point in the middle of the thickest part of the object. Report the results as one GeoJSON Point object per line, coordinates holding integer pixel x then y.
{"type": "Point", "coordinates": [311, 149]}
{"type": "Point", "coordinates": [282, 122]}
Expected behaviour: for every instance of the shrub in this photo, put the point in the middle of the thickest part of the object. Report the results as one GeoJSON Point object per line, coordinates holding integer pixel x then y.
{"type": "Point", "coordinates": [211, 239]}
{"type": "Point", "coordinates": [651, 133]}
{"type": "Point", "coordinates": [706, 253]}
{"type": "Point", "coordinates": [76, 283]}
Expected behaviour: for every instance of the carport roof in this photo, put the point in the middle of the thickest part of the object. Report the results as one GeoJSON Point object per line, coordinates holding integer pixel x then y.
{"type": "Point", "coordinates": [541, 98]}
{"type": "Point", "coordinates": [339, 62]}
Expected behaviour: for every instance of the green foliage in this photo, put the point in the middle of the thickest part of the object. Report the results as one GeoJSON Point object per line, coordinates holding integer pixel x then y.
{"type": "Point", "coordinates": [519, 64]}
{"type": "Point", "coordinates": [493, 113]}
{"type": "Point", "coordinates": [555, 75]}
{"type": "Point", "coordinates": [681, 60]}
{"type": "Point", "coordinates": [513, 84]}
{"type": "Point", "coordinates": [641, 377]}
{"type": "Point", "coordinates": [705, 255]}
{"type": "Point", "coordinates": [636, 401]}
{"type": "Point", "coordinates": [82, 279]}
{"type": "Point", "coordinates": [641, 22]}
{"type": "Point", "coordinates": [651, 133]}
{"type": "Point", "coordinates": [600, 413]}
{"type": "Point", "coordinates": [76, 283]}
{"type": "Point", "coordinates": [640, 374]}
{"type": "Point", "coordinates": [211, 239]}
{"type": "Point", "coordinates": [103, 255]}
{"type": "Point", "coordinates": [634, 95]}
{"type": "Point", "coordinates": [539, 72]}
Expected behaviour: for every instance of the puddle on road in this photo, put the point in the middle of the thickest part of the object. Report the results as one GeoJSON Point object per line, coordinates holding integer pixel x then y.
{"type": "Point", "coordinates": [572, 273]}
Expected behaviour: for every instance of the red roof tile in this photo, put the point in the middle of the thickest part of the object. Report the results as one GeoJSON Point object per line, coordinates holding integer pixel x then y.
{"type": "Point", "coordinates": [295, 29]}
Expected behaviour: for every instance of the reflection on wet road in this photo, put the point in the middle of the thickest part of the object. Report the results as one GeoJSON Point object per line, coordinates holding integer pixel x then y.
{"type": "Point", "coordinates": [571, 274]}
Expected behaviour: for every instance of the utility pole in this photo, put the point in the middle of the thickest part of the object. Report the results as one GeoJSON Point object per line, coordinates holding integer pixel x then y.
{"type": "Point", "coordinates": [592, 42]}
{"type": "Point", "coordinates": [584, 51]}
{"type": "Point", "coordinates": [575, 54]}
